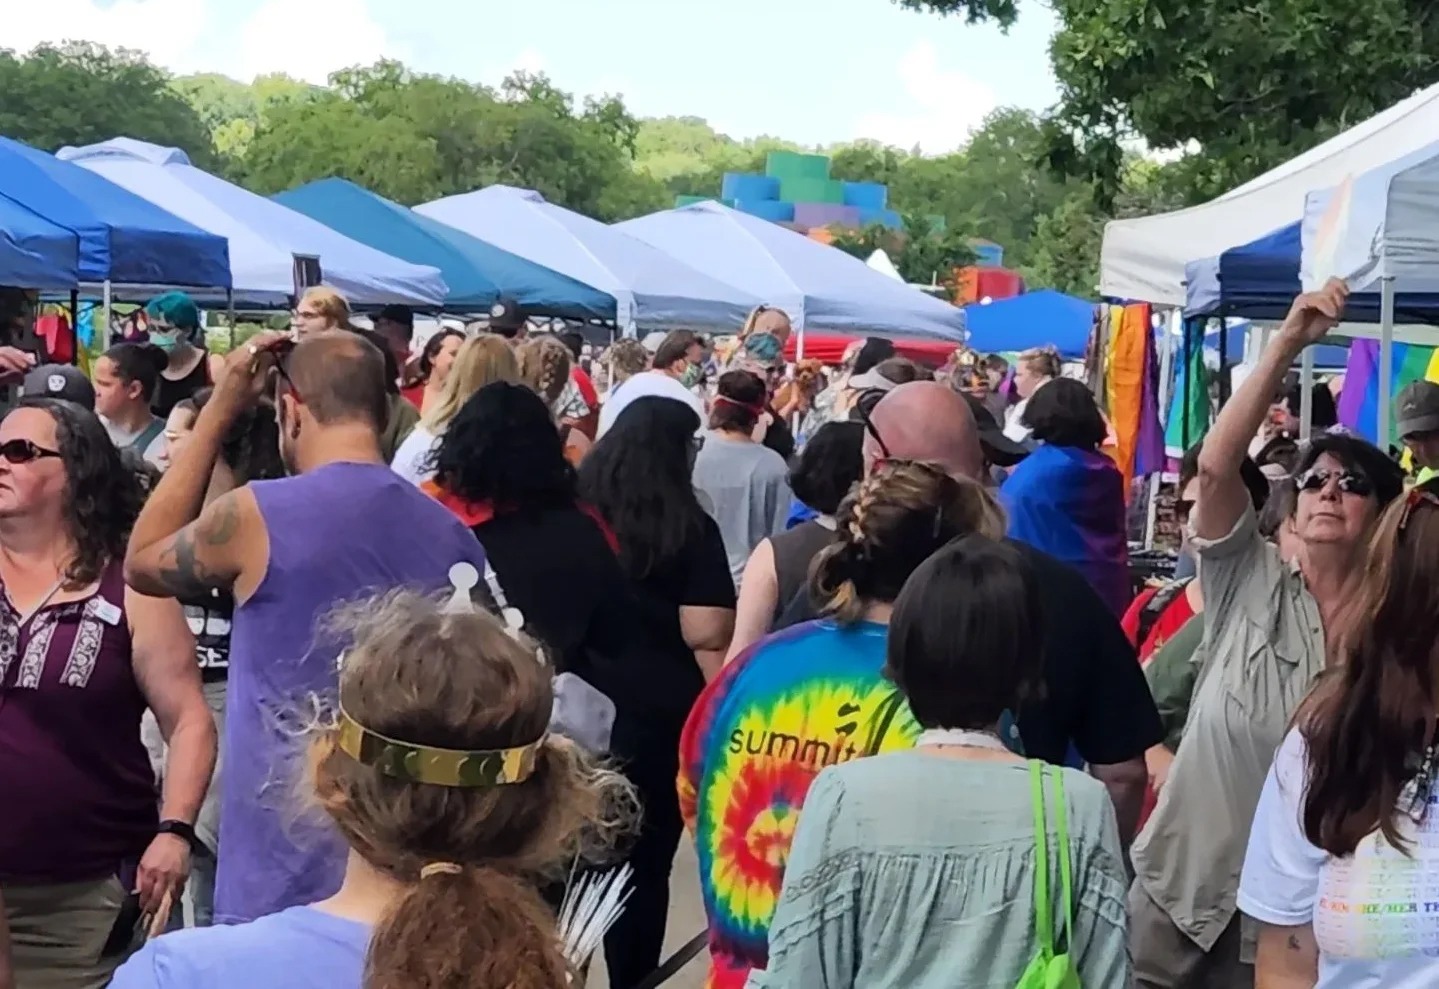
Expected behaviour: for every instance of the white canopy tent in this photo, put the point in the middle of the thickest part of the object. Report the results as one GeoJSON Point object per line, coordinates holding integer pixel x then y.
{"type": "Point", "coordinates": [1143, 259]}
{"type": "Point", "coordinates": [1379, 232]}
{"type": "Point", "coordinates": [264, 236]}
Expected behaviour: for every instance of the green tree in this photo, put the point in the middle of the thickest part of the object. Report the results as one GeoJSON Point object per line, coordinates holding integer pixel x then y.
{"type": "Point", "coordinates": [1249, 82]}
{"type": "Point", "coordinates": [80, 93]}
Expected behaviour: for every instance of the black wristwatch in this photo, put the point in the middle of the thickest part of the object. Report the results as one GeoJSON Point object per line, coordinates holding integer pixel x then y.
{"type": "Point", "coordinates": [181, 830]}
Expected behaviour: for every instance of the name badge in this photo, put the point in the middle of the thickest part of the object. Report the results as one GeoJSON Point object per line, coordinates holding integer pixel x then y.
{"type": "Point", "coordinates": [108, 613]}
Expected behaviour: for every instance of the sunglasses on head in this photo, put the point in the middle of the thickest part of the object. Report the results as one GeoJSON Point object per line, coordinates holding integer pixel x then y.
{"type": "Point", "coordinates": [1350, 482]}
{"type": "Point", "coordinates": [24, 452]}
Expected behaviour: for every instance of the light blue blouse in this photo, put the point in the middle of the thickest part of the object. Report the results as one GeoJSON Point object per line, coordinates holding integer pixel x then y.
{"type": "Point", "coordinates": [914, 870]}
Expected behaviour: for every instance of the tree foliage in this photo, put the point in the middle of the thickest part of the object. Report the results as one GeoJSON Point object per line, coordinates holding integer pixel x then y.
{"type": "Point", "coordinates": [414, 137]}
{"type": "Point", "coordinates": [79, 93]}
{"type": "Point", "coordinates": [1249, 83]}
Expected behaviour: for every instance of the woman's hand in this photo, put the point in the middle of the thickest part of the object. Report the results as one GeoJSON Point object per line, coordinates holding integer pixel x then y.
{"type": "Point", "coordinates": [1314, 314]}
{"type": "Point", "coordinates": [163, 870]}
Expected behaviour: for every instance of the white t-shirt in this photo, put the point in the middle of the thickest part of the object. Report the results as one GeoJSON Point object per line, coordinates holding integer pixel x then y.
{"type": "Point", "coordinates": [643, 385]}
{"type": "Point", "coordinates": [412, 458]}
{"type": "Point", "coordinates": [1375, 913]}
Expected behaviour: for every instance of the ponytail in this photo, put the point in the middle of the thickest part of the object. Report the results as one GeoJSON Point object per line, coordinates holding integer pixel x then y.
{"type": "Point", "coordinates": [475, 928]}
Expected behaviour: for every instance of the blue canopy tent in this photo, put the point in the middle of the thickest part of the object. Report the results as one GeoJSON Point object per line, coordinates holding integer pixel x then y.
{"type": "Point", "coordinates": [1260, 279]}
{"type": "Point", "coordinates": [478, 274]}
{"type": "Point", "coordinates": [652, 291]}
{"type": "Point", "coordinates": [122, 238]}
{"type": "Point", "coordinates": [35, 253]}
{"type": "Point", "coordinates": [821, 288]}
{"type": "Point", "coordinates": [1035, 319]}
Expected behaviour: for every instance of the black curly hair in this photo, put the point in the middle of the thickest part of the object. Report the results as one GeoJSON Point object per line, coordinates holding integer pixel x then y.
{"type": "Point", "coordinates": [251, 446]}
{"type": "Point", "coordinates": [102, 495]}
{"type": "Point", "coordinates": [638, 477]}
{"type": "Point", "coordinates": [503, 447]}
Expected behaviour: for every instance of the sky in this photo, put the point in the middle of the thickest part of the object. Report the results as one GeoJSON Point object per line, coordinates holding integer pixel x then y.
{"type": "Point", "coordinates": [812, 71]}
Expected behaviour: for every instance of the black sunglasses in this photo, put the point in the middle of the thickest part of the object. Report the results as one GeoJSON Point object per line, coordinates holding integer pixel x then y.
{"type": "Point", "coordinates": [24, 452]}
{"type": "Point", "coordinates": [1350, 482]}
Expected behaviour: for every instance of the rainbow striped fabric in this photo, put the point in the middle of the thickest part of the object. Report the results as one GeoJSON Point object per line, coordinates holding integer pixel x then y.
{"type": "Point", "coordinates": [809, 697]}
{"type": "Point", "coordinates": [1359, 401]}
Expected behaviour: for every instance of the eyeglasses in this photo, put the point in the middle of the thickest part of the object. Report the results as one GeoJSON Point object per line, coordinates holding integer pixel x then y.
{"type": "Point", "coordinates": [1415, 498]}
{"type": "Point", "coordinates": [1350, 482]}
{"type": "Point", "coordinates": [864, 417]}
{"type": "Point", "coordinates": [24, 452]}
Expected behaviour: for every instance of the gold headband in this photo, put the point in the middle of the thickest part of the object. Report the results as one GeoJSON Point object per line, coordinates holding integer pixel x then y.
{"type": "Point", "coordinates": [439, 767]}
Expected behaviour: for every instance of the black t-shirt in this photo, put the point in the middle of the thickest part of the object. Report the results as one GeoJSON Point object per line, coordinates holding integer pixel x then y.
{"type": "Point", "coordinates": [698, 577]}
{"type": "Point", "coordinates": [209, 617]}
{"type": "Point", "coordinates": [778, 436]}
{"type": "Point", "coordinates": [557, 567]}
{"type": "Point", "coordinates": [1095, 693]}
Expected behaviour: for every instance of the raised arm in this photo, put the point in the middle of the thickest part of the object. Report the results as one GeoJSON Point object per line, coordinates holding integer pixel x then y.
{"type": "Point", "coordinates": [1222, 496]}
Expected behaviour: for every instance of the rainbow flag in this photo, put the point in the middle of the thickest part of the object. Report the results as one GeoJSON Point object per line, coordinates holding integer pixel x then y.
{"type": "Point", "coordinates": [1359, 401]}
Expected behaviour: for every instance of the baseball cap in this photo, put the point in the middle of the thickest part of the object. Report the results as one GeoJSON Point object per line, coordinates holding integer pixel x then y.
{"type": "Point", "coordinates": [1416, 409]}
{"type": "Point", "coordinates": [999, 450]}
{"type": "Point", "coordinates": [62, 381]}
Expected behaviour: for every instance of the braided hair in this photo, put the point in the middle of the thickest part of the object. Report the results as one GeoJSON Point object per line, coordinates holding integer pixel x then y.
{"type": "Point", "coordinates": [890, 523]}
{"type": "Point", "coordinates": [545, 367]}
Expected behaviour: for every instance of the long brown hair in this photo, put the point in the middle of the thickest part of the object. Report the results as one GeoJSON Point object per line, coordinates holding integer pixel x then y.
{"type": "Point", "coordinates": [424, 675]}
{"type": "Point", "coordinates": [890, 523]}
{"type": "Point", "coordinates": [1369, 722]}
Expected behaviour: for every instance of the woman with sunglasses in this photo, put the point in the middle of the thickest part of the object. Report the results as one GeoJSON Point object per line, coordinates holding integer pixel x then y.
{"type": "Point", "coordinates": [84, 855]}
{"type": "Point", "coordinates": [1343, 860]}
{"type": "Point", "coordinates": [1270, 628]}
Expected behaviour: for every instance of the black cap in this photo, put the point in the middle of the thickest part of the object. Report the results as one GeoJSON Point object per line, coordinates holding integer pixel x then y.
{"type": "Point", "coordinates": [999, 450]}
{"type": "Point", "coordinates": [403, 315]}
{"type": "Point", "coordinates": [62, 381]}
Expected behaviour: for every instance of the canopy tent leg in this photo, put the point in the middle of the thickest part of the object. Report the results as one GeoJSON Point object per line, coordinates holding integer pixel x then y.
{"type": "Point", "coordinates": [106, 297]}
{"type": "Point", "coordinates": [75, 327]}
{"type": "Point", "coordinates": [1386, 358]}
{"type": "Point", "coordinates": [1306, 394]}
{"type": "Point", "coordinates": [230, 314]}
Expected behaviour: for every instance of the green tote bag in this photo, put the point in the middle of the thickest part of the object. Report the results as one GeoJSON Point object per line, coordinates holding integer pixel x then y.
{"type": "Point", "coordinates": [1050, 970]}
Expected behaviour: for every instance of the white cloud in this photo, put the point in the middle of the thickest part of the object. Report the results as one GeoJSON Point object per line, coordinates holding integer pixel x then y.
{"type": "Point", "coordinates": [529, 60]}
{"type": "Point", "coordinates": [310, 40]}
{"type": "Point", "coordinates": [944, 105]}
{"type": "Point", "coordinates": [306, 40]}
{"type": "Point", "coordinates": [168, 30]}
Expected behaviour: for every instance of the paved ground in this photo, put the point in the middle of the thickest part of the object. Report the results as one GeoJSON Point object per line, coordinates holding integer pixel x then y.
{"type": "Point", "coordinates": [687, 916]}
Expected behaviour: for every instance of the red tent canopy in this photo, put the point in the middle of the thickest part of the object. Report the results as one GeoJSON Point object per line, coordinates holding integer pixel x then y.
{"type": "Point", "coordinates": [829, 348]}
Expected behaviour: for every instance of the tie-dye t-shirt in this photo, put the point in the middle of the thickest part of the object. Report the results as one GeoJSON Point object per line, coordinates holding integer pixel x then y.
{"type": "Point", "coordinates": [811, 696]}
{"type": "Point", "coordinates": [1375, 913]}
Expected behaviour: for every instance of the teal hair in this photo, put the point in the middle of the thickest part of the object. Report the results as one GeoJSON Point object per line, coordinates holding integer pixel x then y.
{"type": "Point", "coordinates": [175, 308]}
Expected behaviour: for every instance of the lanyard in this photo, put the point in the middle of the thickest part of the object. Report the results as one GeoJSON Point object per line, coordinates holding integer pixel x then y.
{"type": "Point", "coordinates": [26, 618]}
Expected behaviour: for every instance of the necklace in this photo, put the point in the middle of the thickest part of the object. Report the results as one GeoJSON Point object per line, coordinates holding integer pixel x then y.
{"type": "Point", "coordinates": [963, 738]}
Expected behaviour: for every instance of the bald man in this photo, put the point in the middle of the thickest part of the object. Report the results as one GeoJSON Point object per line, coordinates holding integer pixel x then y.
{"type": "Point", "coordinates": [284, 553]}
{"type": "Point", "coordinates": [1096, 701]}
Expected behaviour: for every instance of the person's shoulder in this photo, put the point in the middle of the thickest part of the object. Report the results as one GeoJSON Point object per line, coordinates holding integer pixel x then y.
{"type": "Point", "coordinates": [204, 957]}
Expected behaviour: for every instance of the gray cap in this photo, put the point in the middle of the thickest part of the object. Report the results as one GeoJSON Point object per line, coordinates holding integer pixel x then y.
{"type": "Point", "coordinates": [1416, 408]}
{"type": "Point", "coordinates": [63, 381]}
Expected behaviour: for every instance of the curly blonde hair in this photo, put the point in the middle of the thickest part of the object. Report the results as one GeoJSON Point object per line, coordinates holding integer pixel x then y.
{"type": "Point", "coordinates": [418, 672]}
{"type": "Point", "coordinates": [890, 523]}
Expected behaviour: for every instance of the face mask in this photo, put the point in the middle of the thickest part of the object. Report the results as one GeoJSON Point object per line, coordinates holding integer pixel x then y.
{"type": "Point", "coordinates": [165, 341]}
{"type": "Point", "coordinates": [692, 376]}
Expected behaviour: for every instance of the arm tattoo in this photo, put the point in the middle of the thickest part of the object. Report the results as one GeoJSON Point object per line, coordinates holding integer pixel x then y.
{"type": "Point", "coordinates": [181, 569]}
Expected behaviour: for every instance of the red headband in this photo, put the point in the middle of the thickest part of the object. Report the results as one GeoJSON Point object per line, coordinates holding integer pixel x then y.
{"type": "Point", "coordinates": [757, 408]}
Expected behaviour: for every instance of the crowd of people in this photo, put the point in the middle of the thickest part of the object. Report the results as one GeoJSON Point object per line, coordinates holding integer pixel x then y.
{"type": "Point", "coordinates": [336, 661]}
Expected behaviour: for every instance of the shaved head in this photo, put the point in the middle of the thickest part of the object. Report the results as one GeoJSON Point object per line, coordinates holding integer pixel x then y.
{"type": "Point", "coordinates": [926, 420]}
{"type": "Point", "coordinates": [340, 377]}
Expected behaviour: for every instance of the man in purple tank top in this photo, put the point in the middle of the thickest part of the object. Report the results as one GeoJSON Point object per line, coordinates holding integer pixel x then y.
{"type": "Point", "coordinates": [342, 527]}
